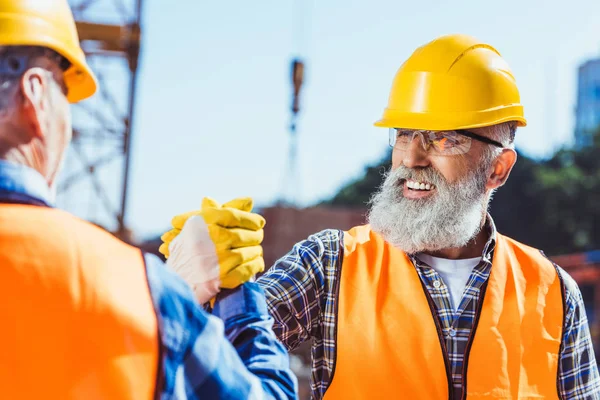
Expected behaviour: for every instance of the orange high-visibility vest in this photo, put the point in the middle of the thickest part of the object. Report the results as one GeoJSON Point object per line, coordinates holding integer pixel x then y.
{"type": "Point", "coordinates": [389, 345]}
{"type": "Point", "coordinates": [77, 315]}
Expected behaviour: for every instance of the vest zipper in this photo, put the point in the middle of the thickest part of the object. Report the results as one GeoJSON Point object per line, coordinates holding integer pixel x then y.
{"type": "Point", "coordinates": [563, 293]}
{"type": "Point", "coordinates": [470, 340]}
{"type": "Point", "coordinates": [440, 332]}
{"type": "Point", "coordinates": [338, 276]}
{"type": "Point", "coordinates": [159, 381]}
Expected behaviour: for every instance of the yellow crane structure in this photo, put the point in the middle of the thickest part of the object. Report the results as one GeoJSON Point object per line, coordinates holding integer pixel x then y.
{"type": "Point", "coordinates": [96, 174]}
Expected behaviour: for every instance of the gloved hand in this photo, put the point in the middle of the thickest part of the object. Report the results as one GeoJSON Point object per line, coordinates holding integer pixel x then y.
{"type": "Point", "coordinates": [216, 247]}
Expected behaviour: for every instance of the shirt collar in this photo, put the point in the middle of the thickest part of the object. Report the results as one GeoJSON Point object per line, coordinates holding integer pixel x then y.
{"type": "Point", "coordinates": [489, 247]}
{"type": "Point", "coordinates": [22, 180]}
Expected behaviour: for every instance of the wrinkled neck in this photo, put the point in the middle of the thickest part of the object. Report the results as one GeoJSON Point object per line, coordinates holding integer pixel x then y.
{"type": "Point", "coordinates": [32, 154]}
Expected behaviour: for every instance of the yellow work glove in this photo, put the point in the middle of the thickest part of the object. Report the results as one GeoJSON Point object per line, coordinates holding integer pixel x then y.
{"type": "Point", "coordinates": [215, 247]}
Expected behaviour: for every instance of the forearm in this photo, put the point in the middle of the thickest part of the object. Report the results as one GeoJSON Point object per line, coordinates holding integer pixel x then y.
{"type": "Point", "coordinates": [248, 327]}
{"type": "Point", "coordinates": [199, 361]}
{"type": "Point", "coordinates": [298, 286]}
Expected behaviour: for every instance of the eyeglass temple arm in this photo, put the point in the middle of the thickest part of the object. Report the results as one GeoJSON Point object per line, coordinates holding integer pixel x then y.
{"type": "Point", "coordinates": [480, 138]}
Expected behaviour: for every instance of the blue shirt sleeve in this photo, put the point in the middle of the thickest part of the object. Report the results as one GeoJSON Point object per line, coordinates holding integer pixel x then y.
{"type": "Point", "coordinates": [231, 354]}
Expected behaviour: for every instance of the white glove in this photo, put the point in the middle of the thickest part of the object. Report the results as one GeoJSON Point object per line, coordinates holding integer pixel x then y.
{"type": "Point", "coordinates": [193, 257]}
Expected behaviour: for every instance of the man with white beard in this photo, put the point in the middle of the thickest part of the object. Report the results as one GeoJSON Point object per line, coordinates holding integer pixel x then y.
{"type": "Point", "coordinates": [428, 301]}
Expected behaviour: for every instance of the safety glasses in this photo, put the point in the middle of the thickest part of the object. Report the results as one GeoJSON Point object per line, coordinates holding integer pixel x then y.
{"type": "Point", "coordinates": [445, 143]}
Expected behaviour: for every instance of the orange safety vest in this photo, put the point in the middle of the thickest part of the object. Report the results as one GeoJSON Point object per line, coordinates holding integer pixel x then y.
{"type": "Point", "coordinates": [77, 316]}
{"type": "Point", "coordinates": [389, 344]}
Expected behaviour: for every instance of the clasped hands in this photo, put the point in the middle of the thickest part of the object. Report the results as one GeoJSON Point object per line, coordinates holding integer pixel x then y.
{"type": "Point", "coordinates": [218, 246]}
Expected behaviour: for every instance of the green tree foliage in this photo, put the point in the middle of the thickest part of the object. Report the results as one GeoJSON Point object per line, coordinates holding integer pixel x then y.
{"type": "Point", "coordinates": [552, 204]}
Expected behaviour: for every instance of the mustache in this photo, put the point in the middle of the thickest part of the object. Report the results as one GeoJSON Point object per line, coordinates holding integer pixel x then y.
{"type": "Point", "coordinates": [429, 174]}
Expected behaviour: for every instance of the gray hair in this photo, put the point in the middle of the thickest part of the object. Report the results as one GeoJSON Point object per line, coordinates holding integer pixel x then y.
{"type": "Point", "coordinates": [15, 60]}
{"type": "Point", "coordinates": [503, 133]}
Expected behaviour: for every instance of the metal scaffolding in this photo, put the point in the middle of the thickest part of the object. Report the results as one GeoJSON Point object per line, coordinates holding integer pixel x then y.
{"type": "Point", "coordinates": [95, 178]}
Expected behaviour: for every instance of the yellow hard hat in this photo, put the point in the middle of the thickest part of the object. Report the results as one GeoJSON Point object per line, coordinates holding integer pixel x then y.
{"type": "Point", "coordinates": [50, 24]}
{"type": "Point", "coordinates": [453, 82]}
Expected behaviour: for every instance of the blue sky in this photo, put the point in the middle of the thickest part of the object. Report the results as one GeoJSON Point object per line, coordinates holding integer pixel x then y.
{"type": "Point", "coordinates": [214, 92]}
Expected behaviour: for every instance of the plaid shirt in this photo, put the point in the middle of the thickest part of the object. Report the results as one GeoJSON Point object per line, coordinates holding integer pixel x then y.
{"type": "Point", "coordinates": [302, 297]}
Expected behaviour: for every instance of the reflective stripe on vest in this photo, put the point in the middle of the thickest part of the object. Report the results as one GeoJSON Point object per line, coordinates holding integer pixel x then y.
{"type": "Point", "coordinates": [389, 344]}
{"type": "Point", "coordinates": [77, 316]}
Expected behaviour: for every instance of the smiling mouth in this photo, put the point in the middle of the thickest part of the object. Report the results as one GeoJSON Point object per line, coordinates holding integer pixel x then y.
{"type": "Point", "coordinates": [419, 186]}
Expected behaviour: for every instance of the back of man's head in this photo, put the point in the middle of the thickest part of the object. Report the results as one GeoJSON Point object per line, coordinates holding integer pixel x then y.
{"type": "Point", "coordinates": [42, 70]}
{"type": "Point", "coordinates": [35, 125]}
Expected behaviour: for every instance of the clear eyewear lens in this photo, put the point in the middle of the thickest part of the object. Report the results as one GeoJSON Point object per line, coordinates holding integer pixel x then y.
{"type": "Point", "coordinates": [444, 143]}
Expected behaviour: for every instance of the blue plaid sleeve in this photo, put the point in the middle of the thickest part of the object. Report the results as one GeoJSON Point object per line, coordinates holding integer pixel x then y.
{"type": "Point", "coordinates": [578, 372]}
{"type": "Point", "coordinates": [301, 291]}
{"type": "Point", "coordinates": [232, 354]}
{"type": "Point", "coordinates": [298, 288]}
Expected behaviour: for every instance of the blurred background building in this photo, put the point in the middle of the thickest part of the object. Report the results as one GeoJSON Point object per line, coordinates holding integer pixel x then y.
{"type": "Point", "coordinates": [588, 102]}
{"type": "Point", "coordinates": [276, 101]}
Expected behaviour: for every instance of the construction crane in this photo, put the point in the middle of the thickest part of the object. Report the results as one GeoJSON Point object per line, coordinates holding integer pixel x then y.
{"type": "Point", "coordinates": [96, 173]}
{"type": "Point", "coordinates": [291, 186]}
{"type": "Point", "coordinates": [291, 180]}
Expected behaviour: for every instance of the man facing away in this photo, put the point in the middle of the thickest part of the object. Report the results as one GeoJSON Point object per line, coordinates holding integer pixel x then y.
{"type": "Point", "coordinates": [85, 316]}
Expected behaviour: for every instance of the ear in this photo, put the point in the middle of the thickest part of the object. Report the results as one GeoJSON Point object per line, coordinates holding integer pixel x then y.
{"type": "Point", "coordinates": [34, 84]}
{"type": "Point", "coordinates": [501, 168]}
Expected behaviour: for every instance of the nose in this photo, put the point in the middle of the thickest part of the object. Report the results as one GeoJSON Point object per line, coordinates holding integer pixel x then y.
{"type": "Point", "coordinates": [415, 155]}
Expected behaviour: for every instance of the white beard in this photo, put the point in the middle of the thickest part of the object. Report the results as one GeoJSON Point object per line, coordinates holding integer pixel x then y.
{"type": "Point", "coordinates": [450, 218]}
